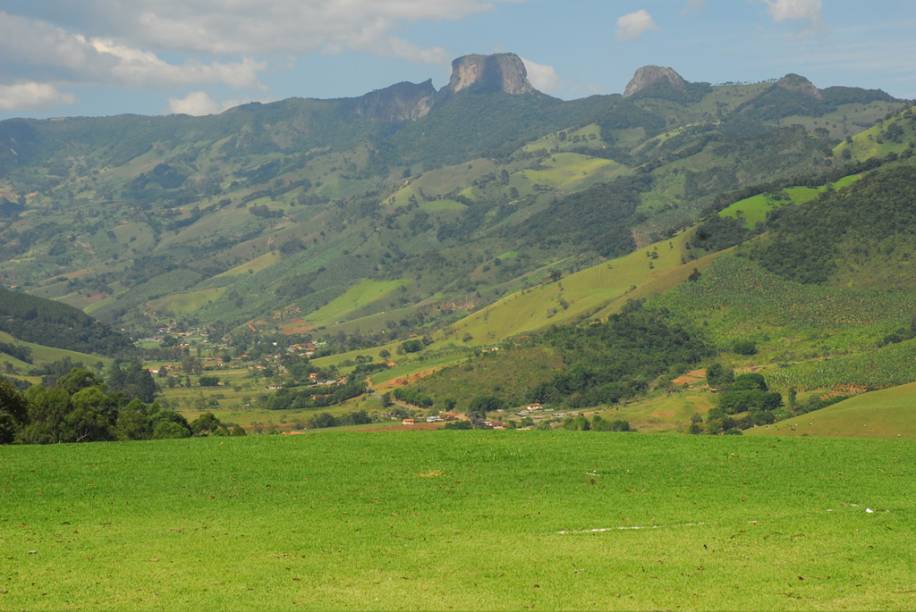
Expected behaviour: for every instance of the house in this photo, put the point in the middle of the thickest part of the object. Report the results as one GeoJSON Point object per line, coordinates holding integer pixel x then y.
{"type": "Point", "coordinates": [409, 422]}
{"type": "Point", "coordinates": [433, 419]}
{"type": "Point", "coordinates": [534, 407]}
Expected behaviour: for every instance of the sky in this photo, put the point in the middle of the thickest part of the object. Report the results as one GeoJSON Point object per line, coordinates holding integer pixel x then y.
{"type": "Point", "coordinates": [105, 57]}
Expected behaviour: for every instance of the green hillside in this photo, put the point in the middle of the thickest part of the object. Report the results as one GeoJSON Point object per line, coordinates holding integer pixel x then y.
{"type": "Point", "coordinates": [889, 413]}
{"type": "Point", "coordinates": [836, 316]}
{"type": "Point", "coordinates": [49, 323]}
{"type": "Point", "coordinates": [754, 210]}
{"type": "Point", "coordinates": [892, 136]}
{"type": "Point", "coordinates": [399, 520]}
{"type": "Point", "coordinates": [38, 355]}
{"type": "Point", "coordinates": [271, 214]}
{"type": "Point", "coordinates": [574, 296]}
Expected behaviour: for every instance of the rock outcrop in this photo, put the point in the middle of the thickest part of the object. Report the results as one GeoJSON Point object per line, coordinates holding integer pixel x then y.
{"type": "Point", "coordinates": [400, 102]}
{"type": "Point", "coordinates": [648, 78]}
{"type": "Point", "coordinates": [503, 72]}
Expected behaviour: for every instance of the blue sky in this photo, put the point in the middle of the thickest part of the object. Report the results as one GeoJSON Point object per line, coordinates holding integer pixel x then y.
{"type": "Point", "coordinates": [102, 57]}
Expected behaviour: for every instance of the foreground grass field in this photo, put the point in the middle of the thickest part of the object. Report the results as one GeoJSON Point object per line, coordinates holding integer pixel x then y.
{"type": "Point", "coordinates": [468, 520]}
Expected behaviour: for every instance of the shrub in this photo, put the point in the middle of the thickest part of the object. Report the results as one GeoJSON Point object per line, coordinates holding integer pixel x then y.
{"type": "Point", "coordinates": [745, 347]}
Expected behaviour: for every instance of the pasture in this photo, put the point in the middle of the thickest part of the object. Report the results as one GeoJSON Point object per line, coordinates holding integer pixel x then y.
{"type": "Point", "coordinates": [467, 520]}
{"type": "Point", "coordinates": [754, 210]}
{"type": "Point", "coordinates": [888, 413]}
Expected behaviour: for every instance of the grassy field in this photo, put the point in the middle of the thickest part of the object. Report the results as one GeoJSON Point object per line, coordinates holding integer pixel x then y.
{"type": "Point", "coordinates": [467, 520]}
{"type": "Point", "coordinates": [888, 413]}
{"type": "Point", "coordinates": [356, 297]}
{"type": "Point", "coordinates": [754, 210]}
{"type": "Point", "coordinates": [42, 355]}
{"type": "Point", "coordinates": [604, 287]}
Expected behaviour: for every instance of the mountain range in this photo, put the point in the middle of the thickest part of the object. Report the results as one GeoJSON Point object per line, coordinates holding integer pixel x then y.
{"type": "Point", "coordinates": [397, 213]}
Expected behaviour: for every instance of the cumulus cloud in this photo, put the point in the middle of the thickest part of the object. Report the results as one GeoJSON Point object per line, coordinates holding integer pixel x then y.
{"type": "Point", "coordinates": [41, 50]}
{"type": "Point", "coordinates": [250, 27]}
{"type": "Point", "coordinates": [793, 10]}
{"type": "Point", "coordinates": [196, 103]}
{"type": "Point", "coordinates": [200, 103]}
{"type": "Point", "coordinates": [542, 76]}
{"type": "Point", "coordinates": [30, 95]}
{"type": "Point", "coordinates": [633, 25]}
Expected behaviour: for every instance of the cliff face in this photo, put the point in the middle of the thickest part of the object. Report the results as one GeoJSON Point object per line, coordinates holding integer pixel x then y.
{"type": "Point", "coordinates": [400, 102]}
{"type": "Point", "coordinates": [650, 77]}
{"type": "Point", "coordinates": [799, 84]}
{"type": "Point", "coordinates": [503, 72]}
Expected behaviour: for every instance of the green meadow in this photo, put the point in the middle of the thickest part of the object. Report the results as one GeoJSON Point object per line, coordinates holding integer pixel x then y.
{"type": "Point", "coordinates": [466, 520]}
{"type": "Point", "coordinates": [889, 413]}
{"type": "Point", "coordinates": [754, 210]}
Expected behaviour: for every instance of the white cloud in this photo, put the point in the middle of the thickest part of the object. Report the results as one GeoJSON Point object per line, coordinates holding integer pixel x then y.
{"type": "Point", "coordinates": [196, 103]}
{"type": "Point", "coordinates": [792, 10]}
{"type": "Point", "coordinates": [200, 103]}
{"type": "Point", "coordinates": [632, 25]}
{"type": "Point", "coordinates": [256, 27]}
{"type": "Point", "coordinates": [542, 76]}
{"type": "Point", "coordinates": [29, 95]}
{"type": "Point", "coordinates": [195, 43]}
{"type": "Point", "coordinates": [40, 50]}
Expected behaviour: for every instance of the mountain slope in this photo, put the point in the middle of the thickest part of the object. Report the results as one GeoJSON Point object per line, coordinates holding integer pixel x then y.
{"type": "Point", "coordinates": [268, 213]}
{"type": "Point", "coordinates": [57, 325]}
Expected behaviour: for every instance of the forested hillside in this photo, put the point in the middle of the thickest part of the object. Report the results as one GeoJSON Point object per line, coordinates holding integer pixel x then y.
{"type": "Point", "coordinates": [51, 323]}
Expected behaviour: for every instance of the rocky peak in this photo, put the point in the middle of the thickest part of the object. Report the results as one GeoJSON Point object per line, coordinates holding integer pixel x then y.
{"type": "Point", "coordinates": [799, 84]}
{"type": "Point", "coordinates": [649, 77]}
{"type": "Point", "coordinates": [503, 72]}
{"type": "Point", "coordinates": [400, 102]}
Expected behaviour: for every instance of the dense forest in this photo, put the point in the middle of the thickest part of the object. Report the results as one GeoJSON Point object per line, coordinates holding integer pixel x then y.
{"type": "Point", "coordinates": [878, 214]}
{"type": "Point", "coordinates": [613, 361]}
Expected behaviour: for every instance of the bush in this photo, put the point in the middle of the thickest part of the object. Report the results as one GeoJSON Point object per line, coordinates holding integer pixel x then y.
{"type": "Point", "coordinates": [601, 424]}
{"type": "Point", "coordinates": [209, 381]}
{"type": "Point", "coordinates": [412, 346]}
{"type": "Point", "coordinates": [744, 347]}
{"type": "Point", "coordinates": [170, 429]}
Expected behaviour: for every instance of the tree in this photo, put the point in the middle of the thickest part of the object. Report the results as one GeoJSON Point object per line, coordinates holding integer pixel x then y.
{"type": "Point", "coordinates": [133, 380]}
{"type": "Point", "coordinates": [481, 405]}
{"type": "Point", "coordinates": [78, 379]}
{"type": "Point", "coordinates": [745, 347]}
{"type": "Point", "coordinates": [90, 418]}
{"type": "Point", "coordinates": [718, 375]}
{"type": "Point", "coordinates": [14, 412]}
{"type": "Point", "coordinates": [208, 381]}
{"type": "Point", "coordinates": [133, 422]}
